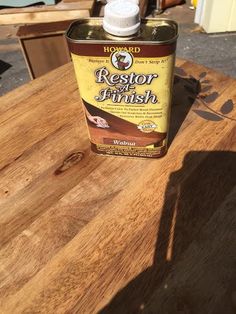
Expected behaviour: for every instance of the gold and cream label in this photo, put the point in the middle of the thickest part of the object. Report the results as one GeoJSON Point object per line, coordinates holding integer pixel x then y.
{"type": "Point", "coordinates": [135, 89]}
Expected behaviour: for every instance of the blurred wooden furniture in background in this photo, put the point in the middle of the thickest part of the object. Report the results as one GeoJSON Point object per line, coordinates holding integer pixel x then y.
{"type": "Point", "coordinates": [22, 3]}
{"type": "Point", "coordinates": [42, 39]}
{"type": "Point", "coordinates": [42, 13]}
{"type": "Point", "coordinates": [44, 46]}
{"type": "Point", "coordinates": [143, 4]}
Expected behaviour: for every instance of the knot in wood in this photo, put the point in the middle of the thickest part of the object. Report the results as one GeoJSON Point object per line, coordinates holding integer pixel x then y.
{"type": "Point", "coordinates": [70, 161]}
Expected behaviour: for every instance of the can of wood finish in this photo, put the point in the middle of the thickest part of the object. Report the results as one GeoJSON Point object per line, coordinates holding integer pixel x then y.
{"type": "Point", "coordinates": [124, 68]}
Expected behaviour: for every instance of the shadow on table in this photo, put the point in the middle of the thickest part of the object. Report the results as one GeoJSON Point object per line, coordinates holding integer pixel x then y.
{"type": "Point", "coordinates": [185, 91]}
{"type": "Point", "coordinates": [193, 195]}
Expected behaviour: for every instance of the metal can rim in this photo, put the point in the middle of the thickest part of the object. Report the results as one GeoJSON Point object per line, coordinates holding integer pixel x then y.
{"type": "Point", "coordinates": [124, 40]}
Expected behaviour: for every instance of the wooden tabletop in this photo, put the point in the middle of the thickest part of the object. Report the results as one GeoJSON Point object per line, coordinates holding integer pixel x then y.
{"type": "Point", "coordinates": [82, 233]}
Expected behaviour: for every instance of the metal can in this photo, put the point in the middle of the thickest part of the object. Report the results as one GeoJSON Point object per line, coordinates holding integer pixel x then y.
{"type": "Point", "coordinates": [125, 85]}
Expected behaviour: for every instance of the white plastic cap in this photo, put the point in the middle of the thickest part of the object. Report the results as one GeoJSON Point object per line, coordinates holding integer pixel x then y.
{"type": "Point", "coordinates": [121, 18]}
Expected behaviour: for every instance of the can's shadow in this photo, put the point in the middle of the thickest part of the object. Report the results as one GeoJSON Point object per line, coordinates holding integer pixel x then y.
{"type": "Point", "coordinates": [193, 268]}
{"type": "Point", "coordinates": [185, 92]}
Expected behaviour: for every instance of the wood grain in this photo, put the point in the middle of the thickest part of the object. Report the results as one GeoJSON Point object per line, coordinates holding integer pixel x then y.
{"type": "Point", "coordinates": [81, 233]}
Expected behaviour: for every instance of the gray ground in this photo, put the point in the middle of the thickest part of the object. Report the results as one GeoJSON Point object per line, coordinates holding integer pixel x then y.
{"type": "Point", "coordinates": [217, 51]}
{"type": "Point", "coordinates": [13, 70]}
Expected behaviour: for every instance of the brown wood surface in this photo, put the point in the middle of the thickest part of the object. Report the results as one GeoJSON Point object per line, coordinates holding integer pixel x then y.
{"type": "Point", "coordinates": [81, 233]}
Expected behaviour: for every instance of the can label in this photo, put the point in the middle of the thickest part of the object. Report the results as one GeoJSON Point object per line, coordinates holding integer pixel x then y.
{"type": "Point", "coordinates": [126, 92]}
